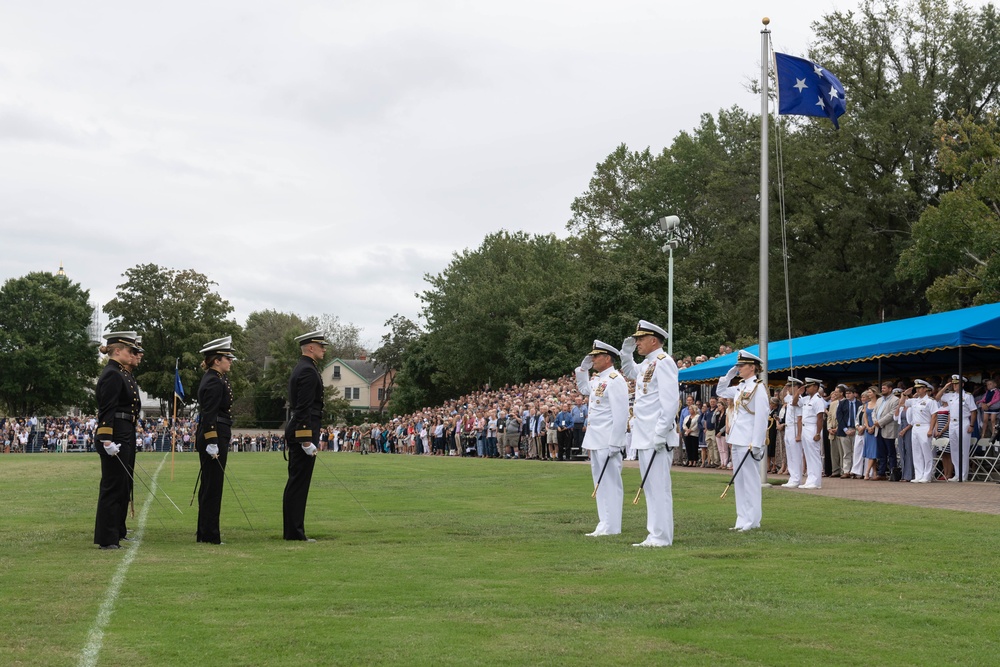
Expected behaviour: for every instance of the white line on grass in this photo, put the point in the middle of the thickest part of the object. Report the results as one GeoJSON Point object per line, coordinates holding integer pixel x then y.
{"type": "Point", "coordinates": [95, 638]}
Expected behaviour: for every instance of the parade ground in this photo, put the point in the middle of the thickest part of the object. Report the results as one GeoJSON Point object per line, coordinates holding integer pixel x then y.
{"type": "Point", "coordinates": [450, 561]}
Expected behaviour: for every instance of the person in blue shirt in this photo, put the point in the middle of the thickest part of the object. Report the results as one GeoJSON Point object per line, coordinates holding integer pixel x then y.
{"type": "Point", "coordinates": [564, 432]}
{"type": "Point", "coordinates": [579, 413]}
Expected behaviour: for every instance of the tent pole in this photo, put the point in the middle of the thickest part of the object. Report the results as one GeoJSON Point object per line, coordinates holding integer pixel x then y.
{"type": "Point", "coordinates": [961, 420]}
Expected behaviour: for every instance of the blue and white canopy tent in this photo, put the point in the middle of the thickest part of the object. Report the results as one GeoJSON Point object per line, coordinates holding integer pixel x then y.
{"type": "Point", "coordinates": [959, 341]}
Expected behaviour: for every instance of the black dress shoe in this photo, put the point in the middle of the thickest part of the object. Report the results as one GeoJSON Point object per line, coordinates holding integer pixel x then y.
{"type": "Point", "coordinates": [110, 546]}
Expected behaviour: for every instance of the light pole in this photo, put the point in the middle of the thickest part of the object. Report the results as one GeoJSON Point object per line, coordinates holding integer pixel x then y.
{"type": "Point", "coordinates": [669, 225]}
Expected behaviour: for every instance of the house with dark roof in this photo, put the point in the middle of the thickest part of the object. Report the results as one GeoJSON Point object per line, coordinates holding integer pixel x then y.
{"type": "Point", "coordinates": [363, 384]}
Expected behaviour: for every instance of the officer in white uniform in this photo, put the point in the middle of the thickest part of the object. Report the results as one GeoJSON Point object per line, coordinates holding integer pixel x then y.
{"type": "Point", "coordinates": [948, 395]}
{"type": "Point", "coordinates": [811, 432]}
{"type": "Point", "coordinates": [793, 440]}
{"type": "Point", "coordinates": [747, 435]}
{"type": "Point", "coordinates": [654, 426]}
{"type": "Point", "coordinates": [607, 421]}
{"type": "Point", "coordinates": [923, 408]}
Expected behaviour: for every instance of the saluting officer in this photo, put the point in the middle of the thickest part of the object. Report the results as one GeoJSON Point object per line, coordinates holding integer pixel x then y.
{"type": "Point", "coordinates": [607, 419]}
{"type": "Point", "coordinates": [118, 405]}
{"type": "Point", "coordinates": [305, 397]}
{"type": "Point", "coordinates": [948, 395]}
{"type": "Point", "coordinates": [215, 401]}
{"type": "Point", "coordinates": [654, 426]}
{"type": "Point", "coordinates": [747, 435]}
{"type": "Point", "coordinates": [793, 438]}
{"type": "Point", "coordinates": [924, 408]}
{"type": "Point", "coordinates": [811, 432]}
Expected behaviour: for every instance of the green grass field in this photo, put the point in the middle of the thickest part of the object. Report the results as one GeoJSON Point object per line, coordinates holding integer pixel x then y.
{"type": "Point", "coordinates": [471, 562]}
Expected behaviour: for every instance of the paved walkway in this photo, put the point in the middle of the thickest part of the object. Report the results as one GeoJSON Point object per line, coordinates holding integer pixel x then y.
{"type": "Point", "coordinates": [983, 497]}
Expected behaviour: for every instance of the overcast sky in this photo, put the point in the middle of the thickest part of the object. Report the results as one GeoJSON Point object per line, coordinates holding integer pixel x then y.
{"type": "Point", "coordinates": [321, 157]}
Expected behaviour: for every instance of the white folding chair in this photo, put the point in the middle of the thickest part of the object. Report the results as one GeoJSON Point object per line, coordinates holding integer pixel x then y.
{"type": "Point", "coordinates": [984, 462]}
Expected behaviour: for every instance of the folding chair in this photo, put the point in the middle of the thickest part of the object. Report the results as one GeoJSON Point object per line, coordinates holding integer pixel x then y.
{"type": "Point", "coordinates": [984, 462]}
{"type": "Point", "coordinates": [940, 445]}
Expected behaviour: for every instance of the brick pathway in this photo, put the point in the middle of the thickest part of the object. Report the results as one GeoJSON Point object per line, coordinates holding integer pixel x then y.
{"type": "Point", "coordinates": [983, 497]}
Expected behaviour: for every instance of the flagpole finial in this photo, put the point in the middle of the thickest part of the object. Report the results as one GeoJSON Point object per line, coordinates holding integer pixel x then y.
{"type": "Point", "coordinates": [766, 21]}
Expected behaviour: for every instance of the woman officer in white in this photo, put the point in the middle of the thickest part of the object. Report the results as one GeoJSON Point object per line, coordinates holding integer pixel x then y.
{"type": "Point", "coordinates": [607, 419]}
{"type": "Point", "coordinates": [747, 435]}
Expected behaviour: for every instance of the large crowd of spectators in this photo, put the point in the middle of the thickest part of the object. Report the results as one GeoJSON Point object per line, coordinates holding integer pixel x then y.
{"type": "Point", "coordinates": [541, 420]}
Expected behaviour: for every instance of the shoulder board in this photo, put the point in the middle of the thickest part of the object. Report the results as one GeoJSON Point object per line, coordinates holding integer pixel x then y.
{"type": "Point", "coordinates": [661, 355]}
{"type": "Point", "coordinates": [613, 375]}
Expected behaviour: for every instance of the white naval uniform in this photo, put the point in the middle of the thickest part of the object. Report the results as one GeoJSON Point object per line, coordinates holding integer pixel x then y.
{"type": "Point", "coordinates": [957, 427]}
{"type": "Point", "coordinates": [793, 447]}
{"type": "Point", "coordinates": [654, 429]}
{"type": "Point", "coordinates": [607, 421]}
{"type": "Point", "coordinates": [813, 449]}
{"type": "Point", "coordinates": [921, 413]}
{"type": "Point", "coordinates": [748, 430]}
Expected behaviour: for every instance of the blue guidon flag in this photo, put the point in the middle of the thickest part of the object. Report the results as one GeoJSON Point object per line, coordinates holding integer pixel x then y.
{"type": "Point", "coordinates": [178, 387]}
{"type": "Point", "coordinates": [806, 89]}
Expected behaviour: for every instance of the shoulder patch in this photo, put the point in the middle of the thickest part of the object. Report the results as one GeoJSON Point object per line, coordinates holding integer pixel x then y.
{"type": "Point", "coordinates": [661, 355]}
{"type": "Point", "coordinates": [613, 375]}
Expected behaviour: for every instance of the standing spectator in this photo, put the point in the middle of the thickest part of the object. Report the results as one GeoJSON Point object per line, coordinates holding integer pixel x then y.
{"type": "Point", "coordinates": [869, 426]}
{"type": "Point", "coordinates": [886, 429]}
{"type": "Point", "coordinates": [847, 415]}
{"type": "Point", "coordinates": [923, 408]}
{"type": "Point", "coordinates": [835, 432]}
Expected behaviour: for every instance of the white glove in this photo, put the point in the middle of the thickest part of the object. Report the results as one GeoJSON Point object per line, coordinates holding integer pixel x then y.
{"type": "Point", "coordinates": [731, 373]}
{"type": "Point", "coordinates": [112, 448]}
{"type": "Point", "coordinates": [309, 449]}
{"type": "Point", "coordinates": [587, 363]}
{"type": "Point", "coordinates": [660, 446]}
{"type": "Point", "coordinates": [628, 346]}
{"type": "Point", "coordinates": [212, 450]}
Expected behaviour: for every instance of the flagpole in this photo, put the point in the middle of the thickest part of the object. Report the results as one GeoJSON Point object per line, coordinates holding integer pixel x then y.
{"type": "Point", "coordinates": [764, 119]}
{"type": "Point", "coordinates": [173, 421]}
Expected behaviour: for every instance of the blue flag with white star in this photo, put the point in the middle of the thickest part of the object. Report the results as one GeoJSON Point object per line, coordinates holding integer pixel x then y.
{"type": "Point", "coordinates": [806, 89]}
{"type": "Point", "coordinates": [178, 387]}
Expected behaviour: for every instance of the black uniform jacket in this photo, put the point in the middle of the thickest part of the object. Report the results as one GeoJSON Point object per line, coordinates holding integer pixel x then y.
{"type": "Point", "coordinates": [215, 398]}
{"type": "Point", "coordinates": [305, 397]}
{"type": "Point", "coordinates": [117, 405]}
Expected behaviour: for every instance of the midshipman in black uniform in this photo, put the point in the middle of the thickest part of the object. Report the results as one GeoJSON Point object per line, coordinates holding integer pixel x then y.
{"type": "Point", "coordinates": [215, 400]}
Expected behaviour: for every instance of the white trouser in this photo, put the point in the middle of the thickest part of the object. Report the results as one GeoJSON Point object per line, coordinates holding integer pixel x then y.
{"type": "Point", "coordinates": [747, 487]}
{"type": "Point", "coordinates": [859, 455]}
{"type": "Point", "coordinates": [611, 493]}
{"type": "Point", "coordinates": [793, 455]}
{"type": "Point", "coordinates": [923, 453]}
{"type": "Point", "coordinates": [813, 450]}
{"type": "Point", "coordinates": [629, 449]}
{"type": "Point", "coordinates": [955, 430]}
{"type": "Point", "coordinates": [659, 496]}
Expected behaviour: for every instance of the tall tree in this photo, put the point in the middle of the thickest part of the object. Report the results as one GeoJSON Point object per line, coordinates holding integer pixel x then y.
{"type": "Point", "coordinates": [403, 332]}
{"type": "Point", "coordinates": [956, 244]}
{"type": "Point", "coordinates": [176, 312]}
{"type": "Point", "coordinates": [47, 360]}
{"type": "Point", "coordinates": [475, 305]}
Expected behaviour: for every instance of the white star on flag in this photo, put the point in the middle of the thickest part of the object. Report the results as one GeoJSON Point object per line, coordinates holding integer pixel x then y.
{"type": "Point", "coordinates": [800, 84]}
{"type": "Point", "coordinates": [820, 103]}
{"type": "Point", "coordinates": [817, 69]}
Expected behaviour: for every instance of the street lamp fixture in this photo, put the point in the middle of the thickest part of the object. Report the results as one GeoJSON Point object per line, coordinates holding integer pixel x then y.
{"type": "Point", "coordinates": [669, 225]}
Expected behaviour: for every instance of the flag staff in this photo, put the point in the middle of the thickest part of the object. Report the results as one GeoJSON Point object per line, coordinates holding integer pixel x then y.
{"type": "Point", "coordinates": [765, 35]}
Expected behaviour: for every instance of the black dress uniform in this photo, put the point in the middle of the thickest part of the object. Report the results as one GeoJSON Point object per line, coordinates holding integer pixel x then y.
{"type": "Point", "coordinates": [305, 397]}
{"type": "Point", "coordinates": [215, 398]}
{"type": "Point", "coordinates": [117, 411]}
